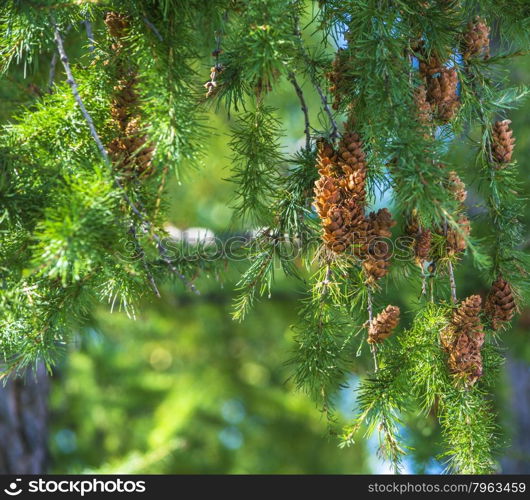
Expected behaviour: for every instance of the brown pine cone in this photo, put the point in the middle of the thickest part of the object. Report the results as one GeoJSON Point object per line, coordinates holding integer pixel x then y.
{"type": "Point", "coordinates": [326, 158]}
{"type": "Point", "coordinates": [327, 195]}
{"type": "Point", "coordinates": [129, 150]}
{"type": "Point", "coordinates": [337, 78]}
{"type": "Point", "coordinates": [382, 325]}
{"type": "Point", "coordinates": [430, 66]}
{"type": "Point", "coordinates": [379, 223]}
{"type": "Point", "coordinates": [117, 24]}
{"type": "Point", "coordinates": [503, 143]}
{"type": "Point", "coordinates": [457, 187]}
{"type": "Point", "coordinates": [412, 226]}
{"type": "Point", "coordinates": [456, 239]}
{"type": "Point", "coordinates": [377, 251]}
{"type": "Point", "coordinates": [336, 227]}
{"type": "Point", "coordinates": [463, 339]}
{"type": "Point", "coordinates": [476, 40]}
{"type": "Point", "coordinates": [466, 317]}
{"type": "Point", "coordinates": [500, 304]}
{"type": "Point", "coordinates": [442, 93]}
{"type": "Point", "coordinates": [422, 245]}
{"type": "Point", "coordinates": [423, 106]}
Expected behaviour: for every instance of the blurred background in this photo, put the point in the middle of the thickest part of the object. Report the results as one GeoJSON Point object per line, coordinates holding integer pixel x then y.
{"type": "Point", "coordinates": [182, 388]}
{"type": "Point", "coordinates": [185, 389]}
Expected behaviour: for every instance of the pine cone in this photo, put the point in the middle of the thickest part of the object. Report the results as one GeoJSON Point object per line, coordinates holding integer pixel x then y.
{"type": "Point", "coordinates": [466, 317]}
{"type": "Point", "coordinates": [442, 93]}
{"type": "Point", "coordinates": [503, 143]}
{"type": "Point", "coordinates": [326, 158]}
{"type": "Point", "coordinates": [337, 79]}
{"type": "Point", "coordinates": [117, 24]}
{"type": "Point", "coordinates": [457, 187]}
{"type": "Point", "coordinates": [500, 304]}
{"type": "Point", "coordinates": [382, 325]}
{"type": "Point", "coordinates": [456, 240]}
{"type": "Point", "coordinates": [412, 226]}
{"type": "Point", "coordinates": [129, 150]}
{"type": "Point", "coordinates": [463, 339]}
{"type": "Point", "coordinates": [430, 66]}
{"type": "Point", "coordinates": [476, 40]}
{"type": "Point", "coordinates": [422, 246]}
{"type": "Point", "coordinates": [423, 106]}
{"type": "Point", "coordinates": [352, 161]}
{"type": "Point", "coordinates": [377, 251]}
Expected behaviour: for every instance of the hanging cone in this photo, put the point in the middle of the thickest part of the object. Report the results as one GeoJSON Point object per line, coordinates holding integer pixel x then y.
{"type": "Point", "coordinates": [130, 152]}
{"type": "Point", "coordinates": [503, 143]}
{"type": "Point", "coordinates": [476, 40]}
{"type": "Point", "coordinates": [457, 187]}
{"type": "Point", "coordinates": [383, 324]}
{"type": "Point", "coordinates": [463, 340]}
{"type": "Point", "coordinates": [456, 239]}
{"type": "Point", "coordinates": [352, 161]}
{"type": "Point", "coordinates": [117, 24]}
{"type": "Point", "coordinates": [337, 78]}
{"type": "Point", "coordinates": [500, 304]}
{"type": "Point", "coordinates": [423, 106]}
{"type": "Point", "coordinates": [422, 246]}
{"type": "Point", "coordinates": [378, 251]}
{"type": "Point", "coordinates": [430, 66]}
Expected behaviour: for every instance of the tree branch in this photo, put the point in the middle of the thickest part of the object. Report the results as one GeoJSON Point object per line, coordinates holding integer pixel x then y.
{"type": "Point", "coordinates": [153, 28]}
{"type": "Point", "coordinates": [303, 105]}
{"type": "Point", "coordinates": [90, 35]}
{"type": "Point", "coordinates": [93, 132]}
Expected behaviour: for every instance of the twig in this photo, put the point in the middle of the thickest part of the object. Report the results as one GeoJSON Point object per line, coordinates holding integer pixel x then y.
{"type": "Point", "coordinates": [314, 80]}
{"type": "Point", "coordinates": [146, 224]}
{"type": "Point", "coordinates": [373, 347]}
{"type": "Point", "coordinates": [51, 77]}
{"type": "Point", "coordinates": [90, 35]}
{"type": "Point", "coordinates": [141, 253]}
{"type": "Point", "coordinates": [153, 28]}
{"type": "Point", "coordinates": [303, 105]}
{"type": "Point", "coordinates": [451, 272]}
{"type": "Point", "coordinates": [452, 282]}
{"type": "Point", "coordinates": [75, 91]}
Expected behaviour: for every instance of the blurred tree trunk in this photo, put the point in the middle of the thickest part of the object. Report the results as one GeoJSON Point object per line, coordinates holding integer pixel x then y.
{"type": "Point", "coordinates": [23, 423]}
{"type": "Point", "coordinates": [517, 460]}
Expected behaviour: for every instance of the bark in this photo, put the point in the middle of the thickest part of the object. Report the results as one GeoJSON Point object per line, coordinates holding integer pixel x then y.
{"type": "Point", "coordinates": [23, 423]}
{"type": "Point", "coordinates": [517, 459]}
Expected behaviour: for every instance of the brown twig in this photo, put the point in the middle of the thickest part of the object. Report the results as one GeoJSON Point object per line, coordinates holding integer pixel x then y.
{"type": "Point", "coordinates": [373, 347]}
{"type": "Point", "coordinates": [303, 106]}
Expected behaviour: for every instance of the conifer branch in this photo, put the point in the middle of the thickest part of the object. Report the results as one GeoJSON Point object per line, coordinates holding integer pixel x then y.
{"type": "Point", "coordinates": [75, 91]}
{"type": "Point", "coordinates": [90, 36]}
{"type": "Point", "coordinates": [93, 132]}
{"type": "Point", "coordinates": [314, 80]}
{"type": "Point", "coordinates": [153, 28]}
{"type": "Point", "coordinates": [305, 111]}
{"type": "Point", "coordinates": [51, 76]}
{"type": "Point", "coordinates": [370, 306]}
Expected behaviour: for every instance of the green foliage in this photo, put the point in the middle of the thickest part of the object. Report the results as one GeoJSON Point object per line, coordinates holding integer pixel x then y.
{"type": "Point", "coordinates": [76, 230]}
{"type": "Point", "coordinates": [413, 374]}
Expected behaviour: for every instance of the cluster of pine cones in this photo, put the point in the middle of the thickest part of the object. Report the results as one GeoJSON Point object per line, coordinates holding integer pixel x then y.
{"type": "Point", "coordinates": [340, 199]}
{"type": "Point", "coordinates": [129, 150]}
{"type": "Point", "coordinates": [464, 336]}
